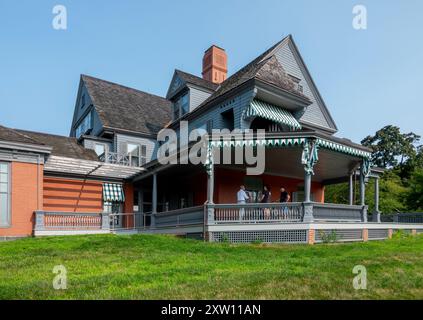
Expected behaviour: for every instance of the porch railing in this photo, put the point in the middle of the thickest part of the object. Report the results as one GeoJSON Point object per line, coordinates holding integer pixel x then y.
{"type": "Point", "coordinates": [115, 158]}
{"type": "Point", "coordinates": [284, 213]}
{"type": "Point", "coordinates": [179, 217]}
{"type": "Point", "coordinates": [255, 213]}
{"type": "Point", "coordinates": [48, 220]}
{"type": "Point", "coordinates": [338, 212]}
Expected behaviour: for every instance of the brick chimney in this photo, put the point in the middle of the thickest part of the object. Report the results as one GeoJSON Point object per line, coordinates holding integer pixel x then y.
{"type": "Point", "coordinates": [215, 67]}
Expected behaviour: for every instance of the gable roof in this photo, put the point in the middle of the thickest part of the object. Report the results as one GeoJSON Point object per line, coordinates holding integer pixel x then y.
{"type": "Point", "coordinates": [195, 80]}
{"type": "Point", "coordinates": [120, 107]}
{"type": "Point", "coordinates": [62, 146]}
{"type": "Point", "coordinates": [12, 135]}
{"type": "Point", "coordinates": [181, 79]}
{"type": "Point", "coordinates": [266, 68]}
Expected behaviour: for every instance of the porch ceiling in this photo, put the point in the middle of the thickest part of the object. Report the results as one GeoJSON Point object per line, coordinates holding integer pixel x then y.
{"type": "Point", "coordinates": [287, 162]}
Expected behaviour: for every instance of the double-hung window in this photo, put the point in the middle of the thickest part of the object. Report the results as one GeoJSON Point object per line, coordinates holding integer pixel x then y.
{"type": "Point", "coordinates": [181, 106]}
{"type": "Point", "coordinates": [137, 154]}
{"type": "Point", "coordinates": [133, 151]}
{"type": "Point", "coordinates": [4, 194]}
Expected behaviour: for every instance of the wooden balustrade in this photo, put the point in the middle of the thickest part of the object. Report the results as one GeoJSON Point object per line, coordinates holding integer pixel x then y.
{"type": "Point", "coordinates": [45, 220]}
{"type": "Point", "coordinates": [253, 213]}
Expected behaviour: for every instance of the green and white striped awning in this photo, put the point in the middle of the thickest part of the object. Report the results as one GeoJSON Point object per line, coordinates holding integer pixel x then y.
{"type": "Point", "coordinates": [113, 192]}
{"type": "Point", "coordinates": [278, 142]}
{"type": "Point", "coordinates": [271, 112]}
{"type": "Point", "coordinates": [343, 148]}
{"type": "Point", "coordinates": [292, 142]}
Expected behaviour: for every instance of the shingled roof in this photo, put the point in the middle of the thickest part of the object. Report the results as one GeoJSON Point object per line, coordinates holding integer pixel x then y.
{"type": "Point", "coordinates": [266, 68]}
{"type": "Point", "coordinates": [125, 108]}
{"type": "Point", "coordinates": [200, 82]}
{"type": "Point", "coordinates": [62, 146]}
{"type": "Point", "coordinates": [11, 135]}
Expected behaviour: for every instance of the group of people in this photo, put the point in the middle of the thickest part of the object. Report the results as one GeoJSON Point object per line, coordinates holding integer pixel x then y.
{"type": "Point", "coordinates": [244, 196]}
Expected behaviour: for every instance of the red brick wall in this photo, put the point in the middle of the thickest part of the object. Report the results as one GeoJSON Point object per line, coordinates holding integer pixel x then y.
{"type": "Point", "coordinates": [23, 198]}
{"type": "Point", "coordinates": [72, 195]}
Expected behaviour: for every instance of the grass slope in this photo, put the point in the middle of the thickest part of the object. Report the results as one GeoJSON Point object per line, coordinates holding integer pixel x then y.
{"type": "Point", "coordinates": [164, 267]}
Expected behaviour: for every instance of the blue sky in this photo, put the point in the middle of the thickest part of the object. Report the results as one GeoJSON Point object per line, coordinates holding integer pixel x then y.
{"type": "Point", "coordinates": [368, 78]}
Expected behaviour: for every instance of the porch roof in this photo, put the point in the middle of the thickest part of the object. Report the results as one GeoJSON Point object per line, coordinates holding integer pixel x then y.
{"type": "Point", "coordinates": [88, 168]}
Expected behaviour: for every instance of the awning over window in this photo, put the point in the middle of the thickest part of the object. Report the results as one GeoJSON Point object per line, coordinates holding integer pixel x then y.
{"type": "Point", "coordinates": [271, 112]}
{"type": "Point", "coordinates": [113, 192]}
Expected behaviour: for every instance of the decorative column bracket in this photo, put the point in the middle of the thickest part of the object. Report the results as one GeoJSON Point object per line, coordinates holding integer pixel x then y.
{"type": "Point", "coordinates": [209, 161]}
{"type": "Point", "coordinates": [310, 155]}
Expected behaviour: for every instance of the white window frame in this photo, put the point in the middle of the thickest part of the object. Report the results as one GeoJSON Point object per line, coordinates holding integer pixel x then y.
{"type": "Point", "coordinates": [100, 144]}
{"type": "Point", "coordinates": [8, 195]}
{"type": "Point", "coordinates": [130, 155]}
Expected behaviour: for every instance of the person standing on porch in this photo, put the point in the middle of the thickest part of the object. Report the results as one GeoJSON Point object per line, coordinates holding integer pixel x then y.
{"type": "Point", "coordinates": [265, 198]}
{"type": "Point", "coordinates": [285, 197]}
{"type": "Point", "coordinates": [242, 197]}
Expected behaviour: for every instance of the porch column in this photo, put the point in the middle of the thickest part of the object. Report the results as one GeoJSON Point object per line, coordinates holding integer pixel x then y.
{"type": "Point", "coordinates": [154, 200]}
{"type": "Point", "coordinates": [210, 184]}
{"type": "Point", "coordinates": [351, 190]}
{"type": "Point", "coordinates": [209, 165]}
{"type": "Point", "coordinates": [376, 213]}
{"type": "Point", "coordinates": [363, 192]}
{"type": "Point", "coordinates": [362, 186]}
{"type": "Point", "coordinates": [307, 186]}
{"type": "Point", "coordinates": [309, 158]}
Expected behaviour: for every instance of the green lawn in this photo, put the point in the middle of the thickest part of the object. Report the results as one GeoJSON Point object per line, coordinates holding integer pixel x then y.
{"type": "Point", "coordinates": [165, 267]}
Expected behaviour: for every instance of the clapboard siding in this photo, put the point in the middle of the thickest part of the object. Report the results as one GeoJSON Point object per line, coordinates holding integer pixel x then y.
{"type": "Point", "coordinates": [121, 141]}
{"type": "Point", "coordinates": [314, 112]}
{"type": "Point", "coordinates": [72, 195]}
{"type": "Point", "coordinates": [196, 97]}
{"type": "Point", "coordinates": [237, 103]}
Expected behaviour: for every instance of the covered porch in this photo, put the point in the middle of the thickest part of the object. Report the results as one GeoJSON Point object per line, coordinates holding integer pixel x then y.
{"type": "Point", "coordinates": [302, 164]}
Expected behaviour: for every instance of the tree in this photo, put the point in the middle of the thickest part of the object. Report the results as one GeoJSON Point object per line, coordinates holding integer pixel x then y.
{"type": "Point", "coordinates": [393, 149]}
{"type": "Point", "coordinates": [415, 195]}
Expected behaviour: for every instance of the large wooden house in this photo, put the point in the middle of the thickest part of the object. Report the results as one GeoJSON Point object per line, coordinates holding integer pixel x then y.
{"type": "Point", "coordinates": [108, 177]}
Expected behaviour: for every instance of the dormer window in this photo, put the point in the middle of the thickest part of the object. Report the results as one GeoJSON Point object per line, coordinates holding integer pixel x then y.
{"type": "Point", "coordinates": [181, 106]}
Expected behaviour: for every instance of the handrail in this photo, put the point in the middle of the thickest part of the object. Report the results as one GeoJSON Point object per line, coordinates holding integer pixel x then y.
{"type": "Point", "coordinates": [178, 211]}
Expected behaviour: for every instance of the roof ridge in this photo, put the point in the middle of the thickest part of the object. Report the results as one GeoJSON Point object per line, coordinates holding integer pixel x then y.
{"type": "Point", "coordinates": [43, 133]}
{"type": "Point", "coordinates": [123, 86]}
{"type": "Point", "coordinates": [17, 131]}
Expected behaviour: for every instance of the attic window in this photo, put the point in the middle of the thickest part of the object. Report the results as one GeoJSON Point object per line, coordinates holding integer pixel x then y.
{"type": "Point", "coordinates": [297, 81]}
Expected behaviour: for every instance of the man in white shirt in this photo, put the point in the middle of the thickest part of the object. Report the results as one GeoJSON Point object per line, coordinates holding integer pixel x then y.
{"type": "Point", "coordinates": [242, 197]}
